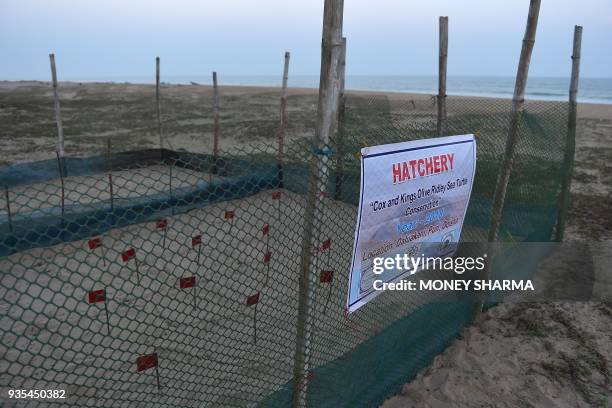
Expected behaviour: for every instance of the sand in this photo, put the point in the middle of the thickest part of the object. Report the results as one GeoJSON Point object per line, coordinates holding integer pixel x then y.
{"type": "Point", "coordinates": [519, 355]}
{"type": "Point", "coordinates": [204, 345]}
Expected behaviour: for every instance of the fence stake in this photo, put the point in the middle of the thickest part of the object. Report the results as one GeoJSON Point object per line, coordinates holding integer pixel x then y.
{"type": "Point", "coordinates": [158, 103]}
{"type": "Point", "coordinates": [8, 208]}
{"type": "Point", "coordinates": [58, 114]}
{"type": "Point", "coordinates": [571, 136]}
{"type": "Point", "coordinates": [518, 101]}
{"type": "Point", "coordinates": [108, 155]}
{"type": "Point", "coordinates": [215, 124]}
{"type": "Point", "coordinates": [61, 174]}
{"type": "Point", "coordinates": [110, 184]}
{"type": "Point", "coordinates": [329, 92]}
{"type": "Point", "coordinates": [341, 121]}
{"type": "Point", "coordinates": [442, 75]}
{"type": "Point", "coordinates": [283, 119]}
{"type": "Point", "coordinates": [170, 181]}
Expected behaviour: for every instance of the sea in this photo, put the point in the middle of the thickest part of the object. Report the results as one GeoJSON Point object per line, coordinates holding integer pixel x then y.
{"type": "Point", "coordinates": [592, 90]}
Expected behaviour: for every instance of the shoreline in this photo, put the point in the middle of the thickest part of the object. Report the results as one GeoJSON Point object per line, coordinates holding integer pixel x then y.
{"type": "Point", "coordinates": [93, 113]}
{"type": "Point", "coordinates": [302, 89]}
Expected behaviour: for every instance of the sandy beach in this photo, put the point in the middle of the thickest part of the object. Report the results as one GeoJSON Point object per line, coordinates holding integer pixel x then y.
{"type": "Point", "coordinates": [545, 354]}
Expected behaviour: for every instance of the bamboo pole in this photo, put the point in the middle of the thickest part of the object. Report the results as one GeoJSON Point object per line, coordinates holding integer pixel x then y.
{"type": "Point", "coordinates": [283, 119]}
{"type": "Point", "coordinates": [571, 136]}
{"type": "Point", "coordinates": [341, 120]}
{"type": "Point", "coordinates": [518, 101]}
{"type": "Point", "coordinates": [329, 94]}
{"type": "Point", "coordinates": [158, 103]}
{"type": "Point", "coordinates": [442, 74]}
{"type": "Point", "coordinates": [215, 123]}
{"type": "Point", "coordinates": [58, 114]}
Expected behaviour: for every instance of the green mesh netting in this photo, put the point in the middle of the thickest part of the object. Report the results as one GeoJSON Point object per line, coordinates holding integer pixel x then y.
{"type": "Point", "coordinates": [169, 278]}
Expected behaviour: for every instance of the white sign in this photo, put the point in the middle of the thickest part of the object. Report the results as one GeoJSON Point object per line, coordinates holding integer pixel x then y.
{"type": "Point", "coordinates": [414, 196]}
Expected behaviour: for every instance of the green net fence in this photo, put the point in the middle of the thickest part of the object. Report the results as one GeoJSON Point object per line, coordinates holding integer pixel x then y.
{"type": "Point", "coordinates": [170, 278]}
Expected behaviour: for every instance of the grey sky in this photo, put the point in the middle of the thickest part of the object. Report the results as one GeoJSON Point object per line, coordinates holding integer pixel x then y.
{"type": "Point", "coordinates": [105, 38]}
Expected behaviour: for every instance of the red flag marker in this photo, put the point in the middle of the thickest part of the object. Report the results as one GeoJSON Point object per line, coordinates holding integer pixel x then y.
{"type": "Point", "coordinates": [129, 254]}
{"type": "Point", "coordinates": [229, 215]}
{"type": "Point", "coordinates": [253, 300]}
{"type": "Point", "coordinates": [197, 241]}
{"type": "Point", "coordinates": [326, 276]}
{"type": "Point", "coordinates": [162, 224]}
{"type": "Point", "coordinates": [95, 296]}
{"type": "Point", "coordinates": [96, 243]}
{"type": "Point", "coordinates": [326, 245]}
{"type": "Point", "coordinates": [189, 282]}
{"type": "Point", "coordinates": [266, 259]}
{"type": "Point", "coordinates": [276, 195]}
{"type": "Point", "coordinates": [148, 361]}
{"type": "Point", "coordinates": [266, 232]}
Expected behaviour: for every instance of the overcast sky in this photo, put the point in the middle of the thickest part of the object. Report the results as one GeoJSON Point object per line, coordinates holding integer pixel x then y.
{"type": "Point", "coordinates": [106, 38]}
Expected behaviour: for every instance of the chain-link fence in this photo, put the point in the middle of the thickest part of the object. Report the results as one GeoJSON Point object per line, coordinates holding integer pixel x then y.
{"type": "Point", "coordinates": [171, 278]}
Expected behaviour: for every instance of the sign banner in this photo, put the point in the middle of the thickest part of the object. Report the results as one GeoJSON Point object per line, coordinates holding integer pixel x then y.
{"type": "Point", "coordinates": [413, 200]}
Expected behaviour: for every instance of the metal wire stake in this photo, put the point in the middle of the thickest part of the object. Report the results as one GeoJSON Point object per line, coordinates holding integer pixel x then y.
{"type": "Point", "coordinates": [61, 174]}
{"type": "Point", "coordinates": [8, 209]}
{"type": "Point", "coordinates": [107, 319]}
{"type": "Point", "coordinates": [110, 183]}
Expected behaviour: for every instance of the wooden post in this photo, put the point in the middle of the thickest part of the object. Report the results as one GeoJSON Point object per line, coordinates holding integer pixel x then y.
{"type": "Point", "coordinates": [571, 136]}
{"type": "Point", "coordinates": [329, 95]}
{"type": "Point", "coordinates": [442, 75]}
{"type": "Point", "coordinates": [283, 119]}
{"type": "Point", "coordinates": [215, 124]}
{"type": "Point", "coordinates": [518, 101]}
{"type": "Point", "coordinates": [341, 122]}
{"type": "Point", "coordinates": [58, 114]}
{"type": "Point", "coordinates": [158, 103]}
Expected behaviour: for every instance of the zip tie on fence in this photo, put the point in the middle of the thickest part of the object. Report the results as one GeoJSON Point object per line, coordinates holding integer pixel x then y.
{"type": "Point", "coordinates": [305, 380]}
{"type": "Point", "coordinates": [322, 151]}
{"type": "Point", "coordinates": [358, 154]}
